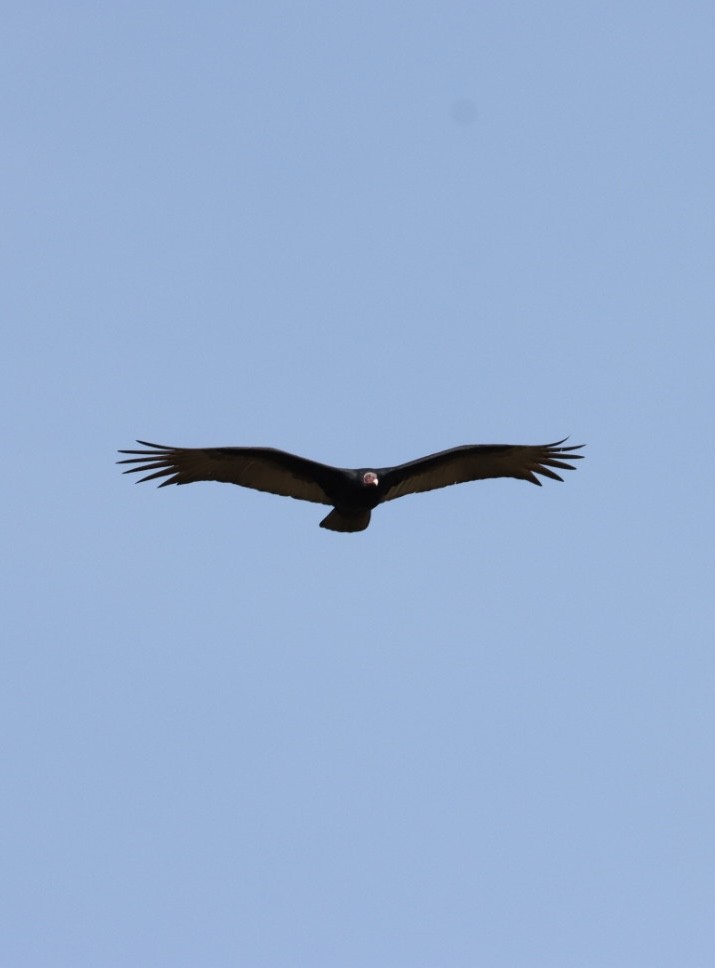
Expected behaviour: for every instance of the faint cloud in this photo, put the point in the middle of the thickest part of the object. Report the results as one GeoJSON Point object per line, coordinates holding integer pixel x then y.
{"type": "Point", "coordinates": [463, 110]}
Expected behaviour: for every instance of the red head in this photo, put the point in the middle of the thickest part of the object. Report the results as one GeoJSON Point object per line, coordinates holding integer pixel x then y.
{"type": "Point", "coordinates": [370, 479]}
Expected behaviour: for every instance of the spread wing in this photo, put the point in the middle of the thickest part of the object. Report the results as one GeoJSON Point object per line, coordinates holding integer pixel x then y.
{"type": "Point", "coordinates": [262, 468]}
{"type": "Point", "coordinates": [476, 462]}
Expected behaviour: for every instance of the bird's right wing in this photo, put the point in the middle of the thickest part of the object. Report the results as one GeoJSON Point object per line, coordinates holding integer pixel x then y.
{"type": "Point", "coordinates": [262, 468]}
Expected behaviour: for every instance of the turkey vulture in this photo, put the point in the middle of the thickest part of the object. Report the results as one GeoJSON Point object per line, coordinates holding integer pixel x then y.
{"type": "Point", "coordinates": [351, 493]}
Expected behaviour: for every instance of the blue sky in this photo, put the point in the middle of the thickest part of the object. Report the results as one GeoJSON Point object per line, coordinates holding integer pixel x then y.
{"type": "Point", "coordinates": [482, 731]}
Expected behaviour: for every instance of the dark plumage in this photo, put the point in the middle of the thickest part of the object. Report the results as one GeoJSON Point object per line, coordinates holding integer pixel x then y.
{"type": "Point", "coordinates": [351, 493]}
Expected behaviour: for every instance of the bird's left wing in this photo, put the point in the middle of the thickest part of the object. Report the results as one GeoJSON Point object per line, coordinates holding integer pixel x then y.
{"type": "Point", "coordinates": [262, 468]}
{"type": "Point", "coordinates": [475, 462]}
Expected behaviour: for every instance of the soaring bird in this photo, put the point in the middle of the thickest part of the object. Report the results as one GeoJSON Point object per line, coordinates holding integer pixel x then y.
{"type": "Point", "coordinates": [352, 493]}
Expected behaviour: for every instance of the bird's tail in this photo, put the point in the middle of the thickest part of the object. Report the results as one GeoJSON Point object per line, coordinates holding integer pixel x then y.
{"type": "Point", "coordinates": [339, 521]}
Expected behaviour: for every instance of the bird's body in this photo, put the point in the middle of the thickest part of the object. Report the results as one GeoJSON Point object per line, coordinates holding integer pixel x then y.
{"type": "Point", "coordinates": [352, 492]}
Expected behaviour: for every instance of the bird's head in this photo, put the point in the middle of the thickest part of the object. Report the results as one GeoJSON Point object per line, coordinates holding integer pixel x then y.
{"type": "Point", "coordinates": [370, 479]}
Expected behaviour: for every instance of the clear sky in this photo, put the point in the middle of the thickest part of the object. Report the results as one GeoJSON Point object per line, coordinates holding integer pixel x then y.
{"type": "Point", "coordinates": [482, 732]}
